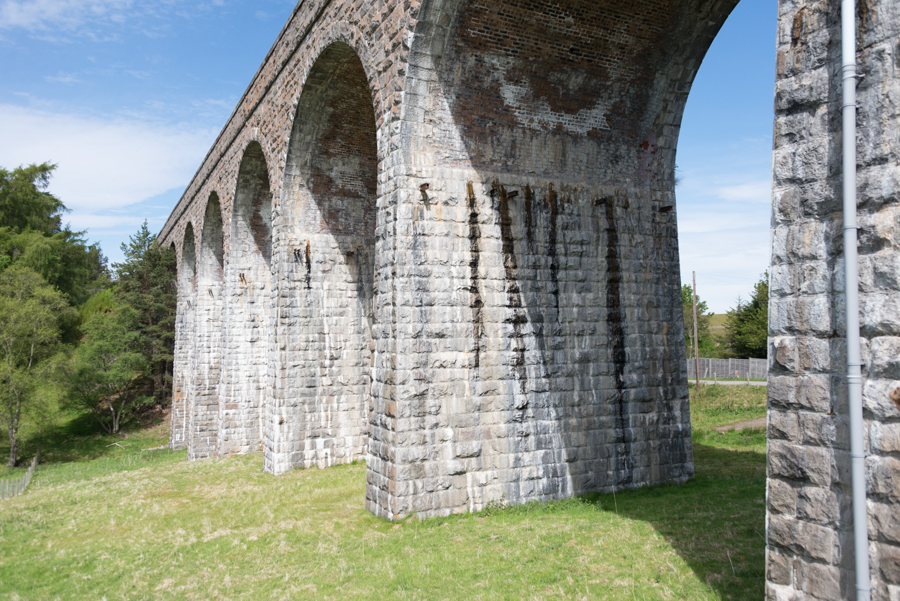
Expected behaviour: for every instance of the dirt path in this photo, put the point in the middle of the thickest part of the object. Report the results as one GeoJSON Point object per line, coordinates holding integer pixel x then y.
{"type": "Point", "coordinates": [730, 382]}
{"type": "Point", "coordinates": [753, 424]}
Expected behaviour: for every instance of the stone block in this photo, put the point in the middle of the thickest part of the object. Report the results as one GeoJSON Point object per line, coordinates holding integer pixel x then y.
{"type": "Point", "coordinates": [784, 425]}
{"type": "Point", "coordinates": [884, 438]}
{"type": "Point", "coordinates": [883, 478]}
{"type": "Point", "coordinates": [797, 462]}
{"type": "Point", "coordinates": [818, 505]}
{"type": "Point", "coordinates": [804, 538]}
{"type": "Point", "coordinates": [819, 581]}
{"type": "Point", "coordinates": [782, 497]}
{"type": "Point", "coordinates": [779, 567]}
{"type": "Point", "coordinates": [887, 560]}
{"type": "Point", "coordinates": [884, 522]}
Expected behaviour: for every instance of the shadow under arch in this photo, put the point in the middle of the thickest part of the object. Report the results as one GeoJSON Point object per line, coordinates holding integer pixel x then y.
{"type": "Point", "coordinates": [184, 340]}
{"type": "Point", "coordinates": [562, 121]}
{"type": "Point", "coordinates": [207, 363]}
{"type": "Point", "coordinates": [324, 263]}
{"type": "Point", "coordinates": [247, 306]}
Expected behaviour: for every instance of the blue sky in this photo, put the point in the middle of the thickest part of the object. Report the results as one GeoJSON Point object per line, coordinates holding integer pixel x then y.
{"type": "Point", "coordinates": [127, 96]}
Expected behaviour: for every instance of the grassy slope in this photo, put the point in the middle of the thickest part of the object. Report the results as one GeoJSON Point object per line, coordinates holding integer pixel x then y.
{"type": "Point", "coordinates": [129, 524]}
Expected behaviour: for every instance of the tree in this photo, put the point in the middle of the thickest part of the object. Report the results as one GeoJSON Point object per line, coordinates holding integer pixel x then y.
{"type": "Point", "coordinates": [747, 328]}
{"type": "Point", "coordinates": [147, 283]}
{"type": "Point", "coordinates": [32, 235]}
{"type": "Point", "coordinates": [65, 260]}
{"type": "Point", "coordinates": [107, 376]}
{"type": "Point", "coordinates": [30, 316]}
{"type": "Point", "coordinates": [706, 343]}
{"type": "Point", "coordinates": [25, 203]}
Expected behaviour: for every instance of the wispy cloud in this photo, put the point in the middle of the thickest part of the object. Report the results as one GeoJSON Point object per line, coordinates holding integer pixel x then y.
{"type": "Point", "coordinates": [62, 78]}
{"type": "Point", "coordinates": [93, 222]}
{"type": "Point", "coordinates": [103, 163]}
{"type": "Point", "coordinates": [759, 191]}
{"type": "Point", "coordinates": [38, 15]}
{"type": "Point", "coordinates": [99, 20]}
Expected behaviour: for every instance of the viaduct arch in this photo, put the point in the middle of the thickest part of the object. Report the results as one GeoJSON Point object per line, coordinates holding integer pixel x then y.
{"type": "Point", "coordinates": [446, 243]}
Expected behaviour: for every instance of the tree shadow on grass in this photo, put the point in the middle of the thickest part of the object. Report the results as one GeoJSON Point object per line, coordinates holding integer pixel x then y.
{"type": "Point", "coordinates": [79, 438]}
{"type": "Point", "coordinates": [715, 522]}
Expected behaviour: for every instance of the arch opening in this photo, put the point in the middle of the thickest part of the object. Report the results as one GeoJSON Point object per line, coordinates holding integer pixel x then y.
{"type": "Point", "coordinates": [326, 233]}
{"type": "Point", "coordinates": [248, 289]}
{"type": "Point", "coordinates": [204, 417]}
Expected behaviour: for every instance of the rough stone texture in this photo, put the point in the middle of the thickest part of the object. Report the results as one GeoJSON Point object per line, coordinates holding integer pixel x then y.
{"type": "Point", "coordinates": [247, 306]}
{"type": "Point", "coordinates": [810, 546]}
{"type": "Point", "coordinates": [474, 262]}
{"type": "Point", "coordinates": [203, 415]}
{"type": "Point", "coordinates": [473, 250]}
{"type": "Point", "coordinates": [184, 341]}
{"type": "Point", "coordinates": [325, 251]}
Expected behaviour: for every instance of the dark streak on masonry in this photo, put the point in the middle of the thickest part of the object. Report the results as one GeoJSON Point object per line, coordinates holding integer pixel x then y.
{"type": "Point", "coordinates": [553, 201]}
{"type": "Point", "coordinates": [529, 219]}
{"type": "Point", "coordinates": [517, 316]}
{"type": "Point", "coordinates": [475, 302]}
{"type": "Point", "coordinates": [308, 267]}
{"type": "Point", "coordinates": [616, 334]}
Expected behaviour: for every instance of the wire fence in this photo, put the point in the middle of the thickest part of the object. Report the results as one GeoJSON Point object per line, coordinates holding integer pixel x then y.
{"type": "Point", "coordinates": [15, 487]}
{"type": "Point", "coordinates": [730, 369]}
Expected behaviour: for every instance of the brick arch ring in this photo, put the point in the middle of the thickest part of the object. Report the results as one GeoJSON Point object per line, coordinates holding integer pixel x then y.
{"type": "Point", "coordinates": [340, 32]}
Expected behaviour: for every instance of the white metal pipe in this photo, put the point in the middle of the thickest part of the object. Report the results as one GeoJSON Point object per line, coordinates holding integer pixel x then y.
{"type": "Point", "coordinates": [851, 289]}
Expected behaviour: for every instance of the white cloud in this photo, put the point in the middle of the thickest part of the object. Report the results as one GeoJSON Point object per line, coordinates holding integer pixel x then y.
{"type": "Point", "coordinates": [61, 77]}
{"type": "Point", "coordinates": [92, 222]}
{"type": "Point", "coordinates": [759, 191]}
{"type": "Point", "coordinates": [59, 14]}
{"type": "Point", "coordinates": [103, 164]}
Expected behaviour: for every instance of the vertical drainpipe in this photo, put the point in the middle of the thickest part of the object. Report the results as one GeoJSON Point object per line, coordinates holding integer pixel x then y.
{"type": "Point", "coordinates": [851, 288]}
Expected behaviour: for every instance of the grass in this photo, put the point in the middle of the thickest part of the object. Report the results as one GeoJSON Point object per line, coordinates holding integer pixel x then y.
{"type": "Point", "coordinates": [717, 322]}
{"type": "Point", "coordinates": [114, 522]}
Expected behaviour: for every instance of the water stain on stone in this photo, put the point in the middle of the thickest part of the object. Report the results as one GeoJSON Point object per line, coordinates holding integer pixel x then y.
{"type": "Point", "coordinates": [308, 267]}
{"type": "Point", "coordinates": [517, 316]}
{"type": "Point", "coordinates": [553, 201]}
{"type": "Point", "coordinates": [529, 217]}
{"type": "Point", "coordinates": [475, 302]}
{"type": "Point", "coordinates": [616, 332]}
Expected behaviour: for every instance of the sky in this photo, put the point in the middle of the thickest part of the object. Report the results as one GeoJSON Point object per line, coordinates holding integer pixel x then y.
{"type": "Point", "coordinates": [127, 96]}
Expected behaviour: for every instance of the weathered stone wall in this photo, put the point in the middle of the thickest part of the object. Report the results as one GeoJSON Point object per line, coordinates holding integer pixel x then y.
{"type": "Point", "coordinates": [474, 261]}
{"type": "Point", "coordinates": [324, 252]}
{"type": "Point", "coordinates": [203, 424]}
{"type": "Point", "coordinates": [810, 548]}
{"type": "Point", "coordinates": [184, 341]}
{"type": "Point", "coordinates": [501, 235]}
{"type": "Point", "coordinates": [539, 348]}
{"type": "Point", "coordinates": [247, 307]}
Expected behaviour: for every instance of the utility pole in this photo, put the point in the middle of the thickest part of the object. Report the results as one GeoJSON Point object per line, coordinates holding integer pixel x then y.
{"type": "Point", "coordinates": [696, 341]}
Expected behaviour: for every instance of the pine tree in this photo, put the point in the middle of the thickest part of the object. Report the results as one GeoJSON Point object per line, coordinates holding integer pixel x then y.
{"type": "Point", "coordinates": [146, 284]}
{"type": "Point", "coordinates": [747, 328]}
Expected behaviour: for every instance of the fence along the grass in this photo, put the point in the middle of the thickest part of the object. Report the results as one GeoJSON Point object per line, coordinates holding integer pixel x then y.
{"type": "Point", "coordinates": [15, 487]}
{"type": "Point", "coordinates": [730, 369]}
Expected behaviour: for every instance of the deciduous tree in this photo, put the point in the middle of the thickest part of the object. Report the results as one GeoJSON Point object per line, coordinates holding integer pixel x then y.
{"type": "Point", "coordinates": [30, 315]}
{"type": "Point", "coordinates": [706, 343]}
{"type": "Point", "coordinates": [107, 376]}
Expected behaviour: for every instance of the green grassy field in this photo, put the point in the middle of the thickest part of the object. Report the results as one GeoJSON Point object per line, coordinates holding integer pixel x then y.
{"type": "Point", "coordinates": [717, 322]}
{"type": "Point", "coordinates": [117, 522]}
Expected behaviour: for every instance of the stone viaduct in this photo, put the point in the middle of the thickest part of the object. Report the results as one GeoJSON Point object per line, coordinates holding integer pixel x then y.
{"type": "Point", "coordinates": [440, 236]}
